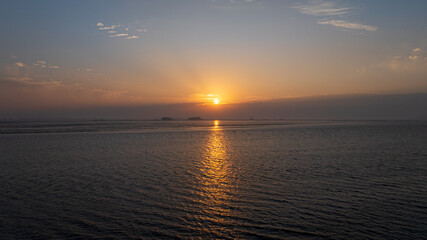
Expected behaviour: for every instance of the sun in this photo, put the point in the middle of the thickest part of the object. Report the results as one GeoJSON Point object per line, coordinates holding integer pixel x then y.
{"type": "Point", "coordinates": [216, 101]}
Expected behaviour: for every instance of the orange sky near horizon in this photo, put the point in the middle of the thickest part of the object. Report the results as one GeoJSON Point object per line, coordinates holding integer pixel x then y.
{"type": "Point", "coordinates": [171, 52]}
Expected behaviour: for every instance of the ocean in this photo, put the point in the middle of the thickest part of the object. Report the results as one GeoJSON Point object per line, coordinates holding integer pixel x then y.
{"type": "Point", "coordinates": [213, 180]}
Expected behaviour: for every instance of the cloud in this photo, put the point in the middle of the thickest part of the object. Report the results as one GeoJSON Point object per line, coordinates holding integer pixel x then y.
{"type": "Point", "coordinates": [331, 10]}
{"type": "Point", "coordinates": [117, 30]}
{"type": "Point", "coordinates": [20, 64]}
{"type": "Point", "coordinates": [119, 35]}
{"type": "Point", "coordinates": [29, 81]}
{"type": "Point", "coordinates": [349, 25]}
{"type": "Point", "coordinates": [413, 58]}
{"type": "Point", "coordinates": [40, 63]}
{"type": "Point", "coordinates": [108, 92]}
{"type": "Point", "coordinates": [412, 61]}
{"type": "Point", "coordinates": [322, 8]}
{"type": "Point", "coordinates": [44, 64]}
{"type": "Point", "coordinates": [416, 52]}
{"type": "Point", "coordinates": [101, 26]}
{"type": "Point", "coordinates": [24, 79]}
{"type": "Point", "coordinates": [40, 89]}
{"type": "Point", "coordinates": [109, 27]}
{"type": "Point", "coordinates": [132, 37]}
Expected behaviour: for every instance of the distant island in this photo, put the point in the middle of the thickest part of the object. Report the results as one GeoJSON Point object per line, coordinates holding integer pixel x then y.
{"type": "Point", "coordinates": [195, 118]}
{"type": "Point", "coordinates": [167, 119]}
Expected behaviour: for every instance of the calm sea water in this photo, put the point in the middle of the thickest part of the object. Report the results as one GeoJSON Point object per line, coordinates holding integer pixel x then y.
{"type": "Point", "coordinates": [195, 180]}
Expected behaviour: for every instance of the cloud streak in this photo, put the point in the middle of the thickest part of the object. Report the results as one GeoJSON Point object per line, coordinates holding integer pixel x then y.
{"type": "Point", "coordinates": [38, 90]}
{"type": "Point", "coordinates": [348, 25]}
{"type": "Point", "coordinates": [320, 8]}
{"type": "Point", "coordinates": [120, 31]}
{"type": "Point", "coordinates": [132, 37]}
{"type": "Point", "coordinates": [331, 10]}
{"type": "Point", "coordinates": [119, 35]}
{"type": "Point", "coordinates": [44, 64]}
{"type": "Point", "coordinates": [109, 27]}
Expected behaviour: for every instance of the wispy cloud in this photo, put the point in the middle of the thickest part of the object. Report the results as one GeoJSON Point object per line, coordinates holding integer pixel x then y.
{"type": "Point", "coordinates": [349, 25]}
{"type": "Point", "coordinates": [23, 79]}
{"type": "Point", "coordinates": [44, 64]}
{"type": "Point", "coordinates": [331, 11]}
{"type": "Point", "coordinates": [322, 8]}
{"type": "Point", "coordinates": [20, 64]}
{"type": "Point", "coordinates": [132, 37]}
{"type": "Point", "coordinates": [109, 27]}
{"type": "Point", "coordinates": [121, 31]}
{"type": "Point", "coordinates": [119, 35]}
{"type": "Point", "coordinates": [108, 92]}
{"type": "Point", "coordinates": [28, 77]}
{"type": "Point", "coordinates": [415, 54]}
{"type": "Point", "coordinates": [37, 88]}
{"type": "Point", "coordinates": [30, 82]}
{"type": "Point", "coordinates": [415, 61]}
{"type": "Point", "coordinates": [40, 63]}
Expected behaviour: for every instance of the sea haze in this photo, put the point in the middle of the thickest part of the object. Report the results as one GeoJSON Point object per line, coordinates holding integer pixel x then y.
{"type": "Point", "coordinates": [213, 180]}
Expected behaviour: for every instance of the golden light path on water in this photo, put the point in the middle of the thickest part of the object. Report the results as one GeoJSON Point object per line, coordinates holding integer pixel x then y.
{"type": "Point", "coordinates": [215, 184]}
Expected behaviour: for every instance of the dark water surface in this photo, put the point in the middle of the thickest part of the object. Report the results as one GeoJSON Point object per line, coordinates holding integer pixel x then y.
{"type": "Point", "coordinates": [195, 180]}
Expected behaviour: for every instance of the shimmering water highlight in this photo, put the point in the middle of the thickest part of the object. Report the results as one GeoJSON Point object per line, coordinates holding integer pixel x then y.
{"type": "Point", "coordinates": [248, 180]}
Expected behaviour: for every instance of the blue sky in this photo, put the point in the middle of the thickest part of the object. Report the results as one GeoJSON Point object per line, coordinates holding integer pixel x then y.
{"type": "Point", "coordinates": [65, 54]}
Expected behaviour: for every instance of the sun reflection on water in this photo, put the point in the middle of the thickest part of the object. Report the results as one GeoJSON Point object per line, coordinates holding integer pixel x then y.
{"type": "Point", "coordinates": [216, 124]}
{"type": "Point", "coordinates": [215, 184]}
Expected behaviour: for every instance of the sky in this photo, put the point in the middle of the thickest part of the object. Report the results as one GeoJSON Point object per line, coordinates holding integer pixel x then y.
{"type": "Point", "coordinates": [69, 58]}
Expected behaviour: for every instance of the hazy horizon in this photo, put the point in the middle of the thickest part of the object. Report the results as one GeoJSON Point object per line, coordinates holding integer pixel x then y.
{"type": "Point", "coordinates": [340, 107]}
